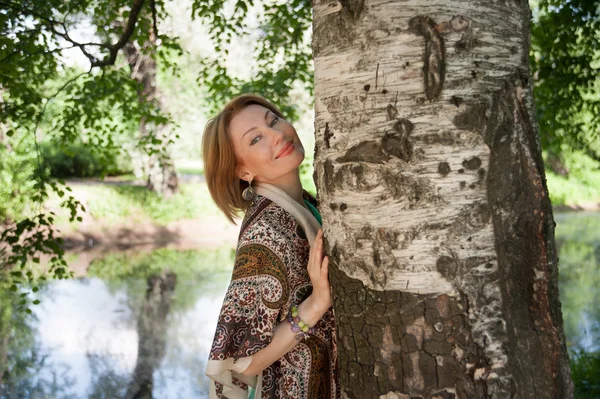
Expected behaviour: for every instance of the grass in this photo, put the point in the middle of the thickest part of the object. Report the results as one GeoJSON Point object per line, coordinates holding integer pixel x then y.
{"type": "Point", "coordinates": [113, 203]}
{"type": "Point", "coordinates": [580, 186]}
{"type": "Point", "coordinates": [127, 204]}
{"type": "Point", "coordinates": [189, 167]}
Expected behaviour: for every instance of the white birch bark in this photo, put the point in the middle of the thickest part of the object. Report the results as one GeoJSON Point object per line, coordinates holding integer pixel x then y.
{"type": "Point", "coordinates": [409, 97]}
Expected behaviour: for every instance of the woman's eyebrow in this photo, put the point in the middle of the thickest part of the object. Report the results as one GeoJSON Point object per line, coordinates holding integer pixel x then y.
{"type": "Point", "coordinates": [252, 128]}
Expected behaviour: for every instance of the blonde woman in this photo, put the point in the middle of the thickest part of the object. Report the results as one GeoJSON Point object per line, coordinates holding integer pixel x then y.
{"type": "Point", "coordinates": [275, 336]}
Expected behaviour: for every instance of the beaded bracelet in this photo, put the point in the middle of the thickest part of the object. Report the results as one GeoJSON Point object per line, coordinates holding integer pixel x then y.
{"type": "Point", "coordinates": [300, 328]}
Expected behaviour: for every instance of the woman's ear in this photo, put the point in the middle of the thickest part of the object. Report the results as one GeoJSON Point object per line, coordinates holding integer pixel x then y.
{"type": "Point", "coordinates": [245, 174]}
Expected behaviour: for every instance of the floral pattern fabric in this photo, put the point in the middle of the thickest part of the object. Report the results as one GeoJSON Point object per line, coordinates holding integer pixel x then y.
{"type": "Point", "coordinates": [270, 276]}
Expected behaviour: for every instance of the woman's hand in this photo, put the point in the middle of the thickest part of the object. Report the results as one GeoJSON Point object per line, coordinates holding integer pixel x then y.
{"type": "Point", "coordinates": [318, 273]}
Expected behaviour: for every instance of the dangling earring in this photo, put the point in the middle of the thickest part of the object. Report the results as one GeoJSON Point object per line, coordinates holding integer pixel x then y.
{"type": "Point", "coordinates": [249, 194]}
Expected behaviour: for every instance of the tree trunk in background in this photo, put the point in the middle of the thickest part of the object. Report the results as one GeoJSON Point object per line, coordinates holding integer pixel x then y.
{"type": "Point", "coordinates": [5, 331]}
{"type": "Point", "coordinates": [160, 170]}
{"type": "Point", "coordinates": [152, 334]}
{"type": "Point", "coordinates": [434, 201]}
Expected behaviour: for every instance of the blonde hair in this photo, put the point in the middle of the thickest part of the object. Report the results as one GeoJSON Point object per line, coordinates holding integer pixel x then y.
{"type": "Point", "coordinates": [220, 161]}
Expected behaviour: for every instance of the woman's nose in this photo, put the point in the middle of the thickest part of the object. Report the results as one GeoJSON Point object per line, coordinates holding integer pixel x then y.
{"type": "Point", "coordinates": [277, 135]}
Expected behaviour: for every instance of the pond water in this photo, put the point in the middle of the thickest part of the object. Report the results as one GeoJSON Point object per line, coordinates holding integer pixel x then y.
{"type": "Point", "coordinates": [141, 324]}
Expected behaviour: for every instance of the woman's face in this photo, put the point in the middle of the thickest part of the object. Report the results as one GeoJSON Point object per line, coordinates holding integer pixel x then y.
{"type": "Point", "coordinates": [267, 147]}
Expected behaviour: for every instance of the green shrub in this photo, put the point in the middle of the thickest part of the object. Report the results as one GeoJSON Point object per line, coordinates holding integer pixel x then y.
{"type": "Point", "coordinates": [81, 160]}
{"type": "Point", "coordinates": [16, 183]}
{"type": "Point", "coordinates": [585, 370]}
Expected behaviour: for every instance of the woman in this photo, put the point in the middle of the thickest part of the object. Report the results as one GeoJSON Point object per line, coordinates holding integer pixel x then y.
{"type": "Point", "coordinates": [275, 335]}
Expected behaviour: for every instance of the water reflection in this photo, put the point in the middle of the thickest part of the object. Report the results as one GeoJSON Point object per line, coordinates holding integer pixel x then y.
{"type": "Point", "coordinates": [152, 330]}
{"type": "Point", "coordinates": [578, 243]}
{"type": "Point", "coordinates": [118, 335]}
{"type": "Point", "coordinates": [140, 325]}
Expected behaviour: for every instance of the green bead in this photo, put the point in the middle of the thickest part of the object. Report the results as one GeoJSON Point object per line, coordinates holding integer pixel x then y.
{"type": "Point", "coordinates": [294, 313]}
{"type": "Point", "coordinates": [305, 328]}
{"type": "Point", "coordinates": [301, 324]}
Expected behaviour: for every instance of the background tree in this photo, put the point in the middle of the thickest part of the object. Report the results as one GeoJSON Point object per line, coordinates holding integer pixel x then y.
{"type": "Point", "coordinates": [34, 76]}
{"type": "Point", "coordinates": [433, 195]}
{"type": "Point", "coordinates": [566, 63]}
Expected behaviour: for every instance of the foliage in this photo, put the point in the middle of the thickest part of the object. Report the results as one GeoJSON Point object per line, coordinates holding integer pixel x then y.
{"type": "Point", "coordinates": [282, 52]}
{"type": "Point", "coordinates": [306, 175]}
{"type": "Point", "coordinates": [585, 370]}
{"type": "Point", "coordinates": [16, 188]}
{"type": "Point", "coordinates": [44, 96]}
{"type": "Point", "coordinates": [77, 159]}
{"type": "Point", "coordinates": [582, 184]}
{"type": "Point", "coordinates": [565, 61]}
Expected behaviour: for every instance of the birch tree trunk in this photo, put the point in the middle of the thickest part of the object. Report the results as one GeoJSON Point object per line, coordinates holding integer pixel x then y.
{"type": "Point", "coordinates": [434, 201]}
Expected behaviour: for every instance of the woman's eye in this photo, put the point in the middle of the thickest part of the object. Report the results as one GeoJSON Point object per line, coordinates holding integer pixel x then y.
{"type": "Point", "coordinates": [255, 140]}
{"type": "Point", "coordinates": [274, 121]}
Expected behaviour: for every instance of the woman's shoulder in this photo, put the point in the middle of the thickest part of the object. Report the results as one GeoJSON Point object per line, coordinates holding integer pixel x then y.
{"type": "Point", "coordinates": [266, 222]}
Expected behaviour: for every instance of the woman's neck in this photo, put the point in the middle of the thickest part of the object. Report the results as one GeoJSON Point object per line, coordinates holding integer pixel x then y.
{"type": "Point", "coordinates": [290, 183]}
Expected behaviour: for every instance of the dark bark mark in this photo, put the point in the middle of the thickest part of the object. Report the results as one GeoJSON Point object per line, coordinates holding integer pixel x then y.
{"type": "Point", "coordinates": [409, 189]}
{"type": "Point", "coordinates": [434, 57]}
{"type": "Point", "coordinates": [367, 151]}
{"type": "Point", "coordinates": [353, 7]}
{"type": "Point", "coordinates": [447, 267]}
{"type": "Point", "coordinates": [396, 142]}
{"type": "Point", "coordinates": [445, 138]}
{"type": "Point", "coordinates": [367, 87]}
{"type": "Point", "coordinates": [328, 171]}
{"type": "Point", "coordinates": [443, 395]}
{"type": "Point", "coordinates": [328, 135]}
{"type": "Point", "coordinates": [474, 118]}
{"type": "Point", "coordinates": [414, 345]}
{"type": "Point", "coordinates": [337, 31]}
{"type": "Point", "coordinates": [444, 168]}
{"type": "Point", "coordinates": [455, 100]}
{"type": "Point", "coordinates": [471, 218]}
{"type": "Point", "coordinates": [481, 173]}
{"type": "Point", "coordinates": [472, 163]}
{"type": "Point", "coordinates": [520, 207]}
{"type": "Point", "coordinates": [391, 112]}
{"type": "Point", "coordinates": [362, 177]}
{"type": "Point", "coordinates": [466, 43]}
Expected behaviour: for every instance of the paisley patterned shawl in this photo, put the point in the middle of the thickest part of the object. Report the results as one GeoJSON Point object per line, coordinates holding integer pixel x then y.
{"type": "Point", "coordinates": [269, 276]}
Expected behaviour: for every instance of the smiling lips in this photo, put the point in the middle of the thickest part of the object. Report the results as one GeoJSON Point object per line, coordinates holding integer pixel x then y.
{"type": "Point", "coordinates": [286, 150]}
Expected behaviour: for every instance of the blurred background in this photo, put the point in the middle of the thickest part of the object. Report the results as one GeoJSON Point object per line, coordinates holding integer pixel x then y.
{"type": "Point", "coordinates": [114, 260]}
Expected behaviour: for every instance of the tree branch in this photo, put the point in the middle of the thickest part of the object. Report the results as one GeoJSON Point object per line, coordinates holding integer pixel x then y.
{"type": "Point", "coordinates": [154, 17]}
{"type": "Point", "coordinates": [129, 28]}
{"type": "Point", "coordinates": [113, 49]}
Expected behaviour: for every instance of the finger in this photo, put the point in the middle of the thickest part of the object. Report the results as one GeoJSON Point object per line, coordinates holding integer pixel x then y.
{"type": "Point", "coordinates": [325, 266]}
{"type": "Point", "coordinates": [313, 259]}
